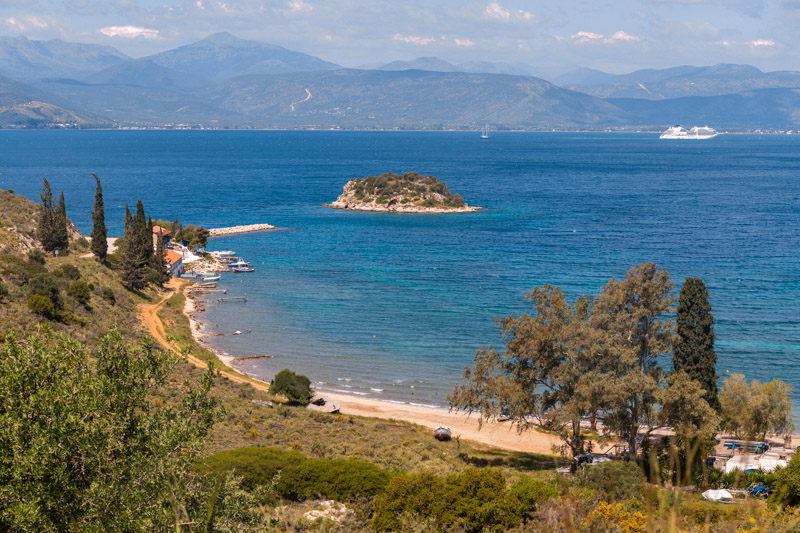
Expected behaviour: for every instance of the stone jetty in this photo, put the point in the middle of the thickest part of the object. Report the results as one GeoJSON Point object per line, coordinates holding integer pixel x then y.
{"type": "Point", "coordinates": [217, 232]}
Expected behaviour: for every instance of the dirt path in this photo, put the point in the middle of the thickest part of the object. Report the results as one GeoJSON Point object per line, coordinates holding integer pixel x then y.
{"type": "Point", "coordinates": [500, 435]}
{"type": "Point", "coordinates": [155, 326]}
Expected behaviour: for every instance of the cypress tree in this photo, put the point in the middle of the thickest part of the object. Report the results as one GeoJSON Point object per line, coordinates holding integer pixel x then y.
{"type": "Point", "coordinates": [128, 218]}
{"type": "Point", "coordinates": [45, 230]}
{"type": "Point", "coordinates": [160, 268]}
{"type": "Point", "coordinates": [142, 234]}
{"type": "Point", "coordinates": [60, 228]}
{"type": "Point", "coordinates": [694, 351]}
{"type": "Point", "coordinates": [99, 231]}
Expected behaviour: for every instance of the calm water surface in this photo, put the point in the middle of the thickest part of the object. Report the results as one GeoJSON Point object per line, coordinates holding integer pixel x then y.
{"type": "Point", "coordinates": [394, 306]}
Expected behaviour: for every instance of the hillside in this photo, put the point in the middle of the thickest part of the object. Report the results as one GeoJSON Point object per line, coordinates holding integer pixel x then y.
{"type": "Point", "coordinates": [407, 193]}
{"type": "Point", "coordinates": [221, 56]}
{"type": "Point", "coordinates": [22, 105]}
{"type": "Point", "coordinates": [409, 99]}
{"type": "Point", "coordinates": [21, 58]}
{"type": "Point", "coordinates": [147, 74]}
{"type": "Point", "coordinates": [684, 81]}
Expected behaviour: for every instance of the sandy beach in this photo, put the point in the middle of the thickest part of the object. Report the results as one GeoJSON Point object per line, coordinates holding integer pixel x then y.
{"type": "Point", "coordinates": [494, 434]}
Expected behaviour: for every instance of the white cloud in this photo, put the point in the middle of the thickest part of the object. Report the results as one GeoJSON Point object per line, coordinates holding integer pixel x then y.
{"type": "Point", "coordinates": [495, 11]}
{"type": "Point", "coordinates": [298, 5]}
{"type": "Point", "coordinates": [11, 21]}
{"type": "Point", "coordinates": [761, 42]}
{"type": "Point", "coordinates": [465, 42]}
{"type": "Point", "coordinates": [37, 22]}
{"type": "Point", "coordinates": [129, 32]}
{"type": "Point", "coordinates": [588, 37]}
{"type": "Point", "coordinates": [412, 39]}
{"type": "Point", "coordinates": [622, 36]}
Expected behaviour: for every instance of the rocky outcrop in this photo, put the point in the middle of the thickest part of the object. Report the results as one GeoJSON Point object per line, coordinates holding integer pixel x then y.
{"type": "Point", "coordinates": [216, 232]}
{"type": "Point", "coordinates": [393, 193]}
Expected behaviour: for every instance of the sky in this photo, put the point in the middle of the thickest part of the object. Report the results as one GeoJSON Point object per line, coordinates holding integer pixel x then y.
{"type": "Point", "coordinates": [616, 37]}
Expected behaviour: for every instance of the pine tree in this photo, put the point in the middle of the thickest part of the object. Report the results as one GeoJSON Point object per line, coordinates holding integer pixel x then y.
{"type": "Point", "coordinates": [694, 351]}
{"type": "Point", "coordinates": [45, 230]}
{"type": "Point", "coordinates": [60, 227]}
{"type": "Point", "coordinates": [99, 231]}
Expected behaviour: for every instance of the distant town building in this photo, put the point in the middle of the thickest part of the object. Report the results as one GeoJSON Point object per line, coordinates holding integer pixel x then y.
{"type": "Point", "coordinates": [174, 261]}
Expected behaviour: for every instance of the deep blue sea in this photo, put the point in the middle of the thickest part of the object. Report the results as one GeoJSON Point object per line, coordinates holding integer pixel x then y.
{"type": "Point", "coordinates": [394, 306]}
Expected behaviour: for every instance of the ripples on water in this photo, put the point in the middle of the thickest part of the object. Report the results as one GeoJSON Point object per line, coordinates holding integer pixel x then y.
{"type": "Point", "coordinates": [394, 306]}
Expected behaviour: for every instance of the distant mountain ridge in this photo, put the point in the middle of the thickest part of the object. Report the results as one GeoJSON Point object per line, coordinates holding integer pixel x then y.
{"type": "Point", "coordinates": [21, 58]}
{"type": "Point", "coordinates": [222, 56]}
{"type": "Point", "coordinates": [224, 81]}
{"type": "Point", "coordinates": [683, 81]}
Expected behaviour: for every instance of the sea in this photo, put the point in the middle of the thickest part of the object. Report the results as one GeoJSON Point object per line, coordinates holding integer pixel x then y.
{"type": "Point", "coordinates": [394, 306]}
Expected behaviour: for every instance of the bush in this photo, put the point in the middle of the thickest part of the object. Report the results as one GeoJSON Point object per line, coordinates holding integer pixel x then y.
{"type": "Point", "coordinates": [80, 291]}
{"type": "Point", "coordinates": [3, 290]}
{"type": "Point", "coordinates": [41, 305]}
{"type": "Point", "coordinates": [36, 256]}
{"type": "Point", "coordinates": [295, 387]}
{"type": "Point", "coordinates": [301, 477]}
{"type": "Point", "coordinates": [617, 480]}
{"type": "Point", "coordinates": [44, 285]}
{"type": "Point", "coordinates": [68, 272]}
{"type": "Point", "coordinates": [108, 295]}
{"type": "Point", "coordinates": [474, 500]}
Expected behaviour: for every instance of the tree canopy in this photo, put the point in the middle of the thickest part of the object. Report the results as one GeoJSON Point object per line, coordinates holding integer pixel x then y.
{"type": "Point", "coordinates": [566, 362]}
{"type": "Point", "coordinates": [83, 447]}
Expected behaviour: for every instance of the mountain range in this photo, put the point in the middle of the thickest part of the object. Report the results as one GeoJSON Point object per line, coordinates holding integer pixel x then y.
{"type": "Point", "coordinates": [224, 81]}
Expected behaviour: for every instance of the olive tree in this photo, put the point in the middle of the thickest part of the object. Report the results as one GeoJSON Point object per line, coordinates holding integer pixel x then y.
{"type": "Point", "coordinates": [83, 447]}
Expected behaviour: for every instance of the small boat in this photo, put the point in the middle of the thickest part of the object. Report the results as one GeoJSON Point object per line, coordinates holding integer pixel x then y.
{"type": "Point", "coordinates": [442, 433]}
{"type": "Point", "coordinates": [485, 132]}
{"type": "Point", "coordinates": [212, 278]}
{"type": "Point", "coordinates": [239, 264]}
{"type": "Point", "coordinates": [242, 270]}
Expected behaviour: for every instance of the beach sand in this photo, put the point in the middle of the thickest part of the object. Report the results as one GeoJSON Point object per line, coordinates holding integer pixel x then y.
{"type": "Point", "coordinates": [494, 434]}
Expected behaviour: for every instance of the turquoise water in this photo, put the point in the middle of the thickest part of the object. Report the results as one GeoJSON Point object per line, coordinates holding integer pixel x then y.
{"type": "Point", "coordinates": [394, 306]}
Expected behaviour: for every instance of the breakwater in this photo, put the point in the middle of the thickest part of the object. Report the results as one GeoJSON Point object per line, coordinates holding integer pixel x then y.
{"type": "Point", "coordinates": [232, 230]}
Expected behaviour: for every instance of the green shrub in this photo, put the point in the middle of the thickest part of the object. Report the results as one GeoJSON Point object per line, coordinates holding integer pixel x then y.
{"type": "Point", "coordinates": [45, 285]}
{"type": "Point", "coordinates": [108, 295]}
{"type": "Point", "coordinates": [70, 272]}
{"type": "Point", "coordinates": [475, 500]}
{"type": "Point", "coordinates": [295, 387]}
{"type": "Point", "coordinates": [16, 267]}
{"type": "Point", "coordinates": [80, 291]}
{"type": "Point", "coordinates": [41, 305]}
{"type": "Point", "coordinates": [617, 480]}
{"type": "Point", "coordinates": [301, 477]}
{"type": "Point", "coordinates": [36, 256]}
{"type": "Point", "coordinates": [82, 243]}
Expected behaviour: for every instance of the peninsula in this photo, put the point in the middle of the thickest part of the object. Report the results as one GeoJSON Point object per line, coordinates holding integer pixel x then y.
{"type": "Point", "coordinates": [406, 193]}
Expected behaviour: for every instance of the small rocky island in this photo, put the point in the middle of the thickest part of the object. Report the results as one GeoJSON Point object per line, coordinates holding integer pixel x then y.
{"type": "Point", "coordinates": [406, 193]}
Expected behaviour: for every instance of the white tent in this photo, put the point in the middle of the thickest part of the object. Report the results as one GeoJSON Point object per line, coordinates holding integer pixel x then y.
{"type": "Point", "coordinates": [747, 461]}
{"type": "Point", "coordinates": [717, 495]}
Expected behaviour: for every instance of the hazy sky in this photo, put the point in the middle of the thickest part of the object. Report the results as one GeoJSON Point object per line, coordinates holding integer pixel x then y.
{"type": "Point", "coordinates": [612, 36]}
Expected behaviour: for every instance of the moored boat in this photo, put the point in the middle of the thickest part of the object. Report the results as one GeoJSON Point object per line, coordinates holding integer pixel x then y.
{"type": "Point", "coordinates": [442, 433]}
{"type": "Point", "coordinates": [211, 278]}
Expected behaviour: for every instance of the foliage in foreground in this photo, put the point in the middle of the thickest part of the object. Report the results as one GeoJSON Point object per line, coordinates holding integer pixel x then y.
{"type": "Point", "coordinates": [473, 500]}
{"type": "Point", "coordinates": [297, 477]}
{"type": "Point", "coordinates": [81, 446]}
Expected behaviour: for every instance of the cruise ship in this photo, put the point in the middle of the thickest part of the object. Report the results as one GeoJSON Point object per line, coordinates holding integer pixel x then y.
{"type": "Point", "coordinates": [679, 132]}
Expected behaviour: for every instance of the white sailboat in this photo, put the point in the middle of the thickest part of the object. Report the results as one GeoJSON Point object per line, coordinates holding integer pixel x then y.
{"type": "Point", "coordinates": [485, 132]}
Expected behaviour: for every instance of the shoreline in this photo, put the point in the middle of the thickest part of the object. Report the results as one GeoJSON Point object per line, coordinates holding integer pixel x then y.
{"type": "Point", "coordinates": [374, 208]}
{"type": "Point", "coordinates": [492, 434]}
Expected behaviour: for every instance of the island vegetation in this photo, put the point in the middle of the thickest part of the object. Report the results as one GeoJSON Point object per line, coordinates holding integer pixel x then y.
{"type": "Point", "coordinates": [400, 193]}
{"type": "Point", "coordinates": [105, 428]}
